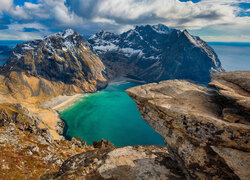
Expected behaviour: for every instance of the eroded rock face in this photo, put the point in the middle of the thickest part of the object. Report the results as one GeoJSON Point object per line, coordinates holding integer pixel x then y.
{"type": "Point", "coordinates": [207, 132]}
{"type": "Point", "coordinates": [125, 163]}
{"type": "Point", "coordinates": [62, 63]}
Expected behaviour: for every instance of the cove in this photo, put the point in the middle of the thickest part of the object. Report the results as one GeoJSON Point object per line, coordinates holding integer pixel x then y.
{"type": "Point", "coordinates": [110, 114]}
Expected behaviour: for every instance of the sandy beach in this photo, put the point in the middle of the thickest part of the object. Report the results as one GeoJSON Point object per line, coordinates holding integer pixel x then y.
{"type": "Point", "coordinates": [59, 102]}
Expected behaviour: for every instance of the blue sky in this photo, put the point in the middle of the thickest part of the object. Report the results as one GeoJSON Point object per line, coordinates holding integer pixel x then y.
{"type": "Point", "coordinates": [213, 20]}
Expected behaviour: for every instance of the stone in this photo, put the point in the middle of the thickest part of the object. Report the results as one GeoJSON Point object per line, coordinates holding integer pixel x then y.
{"type": "Point", "coordinates": [124, 163]}
{"type": "Point", "coordinates": [102, 144]}
{"type": "Point", "coordinates": [207, 132]}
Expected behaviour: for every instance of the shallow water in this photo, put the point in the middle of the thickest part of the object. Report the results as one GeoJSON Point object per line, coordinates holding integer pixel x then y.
{"type": "Point", "coordinates": [109, 114]}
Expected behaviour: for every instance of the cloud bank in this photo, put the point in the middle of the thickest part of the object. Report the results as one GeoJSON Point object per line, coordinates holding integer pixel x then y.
{"type": "Point", "coordinates": [209, 18]}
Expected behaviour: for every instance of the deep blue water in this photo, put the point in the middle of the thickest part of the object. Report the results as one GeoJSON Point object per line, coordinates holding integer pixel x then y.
{"type": "Point", "coordinates": [2, 62]}
{"type": "Point", "coordinates": [233, 56]}
{"type": "Point", "coordinates": [11, 44]}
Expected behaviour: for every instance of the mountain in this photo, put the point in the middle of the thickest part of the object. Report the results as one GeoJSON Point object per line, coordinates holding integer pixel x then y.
{"type": "Point", "coordinates": [61, 63]}
{"type": "Point", "coordinates": [155, 53]}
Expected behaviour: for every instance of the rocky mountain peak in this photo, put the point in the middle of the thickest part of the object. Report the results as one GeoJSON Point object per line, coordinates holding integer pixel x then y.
{"type": "Point", "coordinates": [154, 53]}
{"type": "Point", "coordinates": [161, 28]}
{"type": "Point", "coordinates": [104, 35]}
{"type": "Point", "coordinates": [64, 57]}
{"type": "Point", "coordinates": [64, 34]}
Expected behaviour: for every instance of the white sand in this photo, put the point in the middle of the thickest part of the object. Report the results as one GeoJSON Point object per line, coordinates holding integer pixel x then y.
{"type": "Point", "coordinates": [59, 102]}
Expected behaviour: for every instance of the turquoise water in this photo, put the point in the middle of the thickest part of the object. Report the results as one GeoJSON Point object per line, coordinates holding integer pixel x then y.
{"type": "Point", "coordinates": [109, 114]}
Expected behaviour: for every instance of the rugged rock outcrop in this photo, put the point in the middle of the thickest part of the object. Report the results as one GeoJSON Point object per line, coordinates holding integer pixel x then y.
{"type": "Point", "coordinates": [124, 163]}
{"type": "Point", "coordinates": [27, 151]}
{"type": "Point", "coordinates": [155, 53]}
{"type": "Point", "coordinates": [62, 63]}
{"type": "Point", "coordinates": [206, 131]}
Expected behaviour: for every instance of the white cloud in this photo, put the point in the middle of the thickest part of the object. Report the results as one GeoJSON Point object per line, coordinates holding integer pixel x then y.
{"type": "Point", "coordinates": [5, 5]}
{"type": "Point", "coordinates": [54, 11]}
{"type": "Point", "coordinates": [119, 15]}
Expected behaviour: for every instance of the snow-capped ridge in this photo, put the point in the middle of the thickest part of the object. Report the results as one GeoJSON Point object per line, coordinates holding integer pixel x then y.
{"type": "Point", "coordinates": [63, 34]}
{"type": "Point", "coordinates": [161, 28]}
{"type": "Point", "coordinates": [157, 53]}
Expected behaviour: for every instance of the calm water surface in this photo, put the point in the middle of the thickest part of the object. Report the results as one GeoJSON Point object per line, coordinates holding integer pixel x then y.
{"type": "Point", "coordinates": [233, 56]}
{"type": "Point", "coordinates": [109, 114]}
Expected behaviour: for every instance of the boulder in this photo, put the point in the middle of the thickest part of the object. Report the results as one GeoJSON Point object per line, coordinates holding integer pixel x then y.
{"type": "Point", "coordinates": [124, 163]}
{"type": "Point", "coordinates": [207, 131]}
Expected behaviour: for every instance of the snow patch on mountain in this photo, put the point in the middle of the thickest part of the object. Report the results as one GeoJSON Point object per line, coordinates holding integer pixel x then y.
{"type": "Point", "coordinates": [160, 28]}
{"type": "Point", "coordinates": [68, 32]}
{"type": "Point", "coordinates": [109, 47]}
{"type": "Point", "coordinates": [62, 34]}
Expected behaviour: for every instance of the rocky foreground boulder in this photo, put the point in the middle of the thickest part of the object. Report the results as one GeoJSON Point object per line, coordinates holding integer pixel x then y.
{"type": "Point", "coordinates": [206, 131]}
{"type": "Point", "coordinates": [124, 163]}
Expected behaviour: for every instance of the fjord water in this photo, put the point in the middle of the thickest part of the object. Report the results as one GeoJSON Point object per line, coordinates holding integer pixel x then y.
{"type": "Point", "coordinates": [109, 114]}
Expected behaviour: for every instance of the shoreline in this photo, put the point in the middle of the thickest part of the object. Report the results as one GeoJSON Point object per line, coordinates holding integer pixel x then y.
{"type": "Point", "coordinates": [60, 102]}
{"type": "Point", "coordinates": [54, 106]}
{"type": "Point", "coordinates": [57, 104]}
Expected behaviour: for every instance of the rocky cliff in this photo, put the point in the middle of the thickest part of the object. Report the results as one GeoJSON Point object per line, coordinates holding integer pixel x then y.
{"type": "Point", "coordinates": [155, 53]}
{"type": "Point", "coordinates": [207, 131]}
{"type": "Point", "coordinates": [61, 63]}
{"type": "Point", "coordinates": [28, 151]}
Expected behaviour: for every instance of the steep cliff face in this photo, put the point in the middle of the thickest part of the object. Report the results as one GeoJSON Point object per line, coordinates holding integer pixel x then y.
{"type": "Point", "coordinates": [155, 53]}
{"type": "Point", "coordinates": [61, 63]}
{"type": "Point", "coordinates": [207, 132]}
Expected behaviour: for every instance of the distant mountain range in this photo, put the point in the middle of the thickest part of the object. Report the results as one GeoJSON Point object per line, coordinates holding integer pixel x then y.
{"type": "Point", "coordinates": [155, 53]}
{"type": "Point", "coordinates": [66, 63]}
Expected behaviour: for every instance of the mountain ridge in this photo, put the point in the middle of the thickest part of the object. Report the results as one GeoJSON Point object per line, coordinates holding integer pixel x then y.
{"type": "Point", "coordinates": [156, 56]}
{"type": "Point", "coordinates": [64, 57]}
